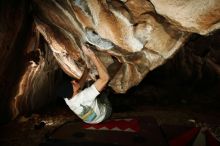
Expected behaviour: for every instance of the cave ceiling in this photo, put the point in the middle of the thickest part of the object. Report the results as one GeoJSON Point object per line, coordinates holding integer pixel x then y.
{"type": "Point", "coordinates": [132, 37]}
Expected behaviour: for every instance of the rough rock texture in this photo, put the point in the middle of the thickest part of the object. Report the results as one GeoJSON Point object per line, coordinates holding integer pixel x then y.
{"type": "Point", "coordinates": [12, 14]}
{"type": "Point", "coordinates": [131, 37]}
{"type": "Point", "coordinates": [199, 16]}
{"type": "Point", "coordinates": [130, 32]}
{"type": "Point", "coordinates": [28, 71]}
{"type": "Point", "coordinates": [191, 77]}
{"type": "Point", "coordinates": [37, 83]}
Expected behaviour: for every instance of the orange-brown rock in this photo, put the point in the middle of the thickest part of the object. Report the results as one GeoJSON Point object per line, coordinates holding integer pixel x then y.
{"type": "Point", "coordinates": [129, 31]}
{"type": "Point", "coordinates": [198, 16]}
{"type": "Point", "coordinates": [132, 37]}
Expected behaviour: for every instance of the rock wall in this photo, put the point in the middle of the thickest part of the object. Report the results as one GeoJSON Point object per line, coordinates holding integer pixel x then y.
{"type": "Point", "coordinates": [13, 16]}
{"type": "Point", "coordinates": [132, 37]}
{"type": "Point", "coordinates": [131, 32]}
{"type": "Point", "coordinates": [192, 15]}
{"type": "Point", "coordinates": [28, 72]}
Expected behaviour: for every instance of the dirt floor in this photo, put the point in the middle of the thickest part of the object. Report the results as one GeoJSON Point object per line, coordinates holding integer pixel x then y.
{"type": "Point", "coordinates": [33, 130]}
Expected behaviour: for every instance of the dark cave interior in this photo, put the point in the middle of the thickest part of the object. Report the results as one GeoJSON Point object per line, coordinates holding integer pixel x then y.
{"type": "Point", "coordinates": [185, 87]}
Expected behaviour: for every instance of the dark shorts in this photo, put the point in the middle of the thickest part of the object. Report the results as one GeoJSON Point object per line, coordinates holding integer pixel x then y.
{"type": "Point", "coordinates": [103, 99]}
{"type": "Point", "coordinates": [65, 89]}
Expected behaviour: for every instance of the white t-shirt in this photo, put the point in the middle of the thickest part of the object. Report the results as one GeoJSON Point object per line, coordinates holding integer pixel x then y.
{"type": "Point", "coordinates": [85, 105]}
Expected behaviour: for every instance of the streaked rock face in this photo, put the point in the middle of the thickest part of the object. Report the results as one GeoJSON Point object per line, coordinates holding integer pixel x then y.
{"type": "Point", "coordinates": [131, 37]}
{"type": "Point", "coordinates": [130, 32]}
{"type": "Point", "coordinates": [29, 71]}
{"type": "Point", "coordinates": [12, 14]}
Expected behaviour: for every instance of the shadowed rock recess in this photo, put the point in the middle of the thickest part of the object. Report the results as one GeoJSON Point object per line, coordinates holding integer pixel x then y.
{"type": "Point", "coordinates": [41, 38]}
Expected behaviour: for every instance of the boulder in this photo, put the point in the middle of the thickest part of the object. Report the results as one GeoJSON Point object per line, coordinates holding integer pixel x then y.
{"type": "Point", "coordinates": [198, 16]}
{"type": "Point", "coordinates": [130, 34]}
